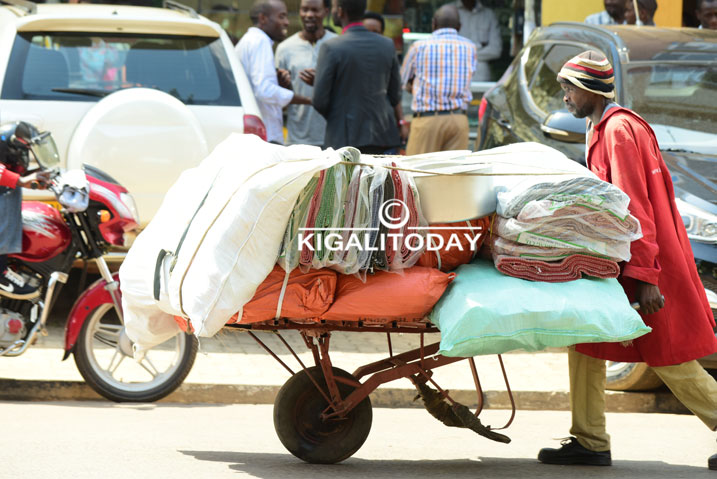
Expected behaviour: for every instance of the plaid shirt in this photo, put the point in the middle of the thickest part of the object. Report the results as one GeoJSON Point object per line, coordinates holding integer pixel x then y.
{"type": "Point", "coordinates": [441, 68]}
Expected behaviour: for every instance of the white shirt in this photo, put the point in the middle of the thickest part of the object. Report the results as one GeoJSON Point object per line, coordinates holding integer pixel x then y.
{"type": "Point", "coordinates": [600, 18]}
{"type": "Point", "coordinates": [304, 124]}
{"type": "Point", "coordinates": [255, 53]}
{"type": "Point", "coordinates": [481, 26]}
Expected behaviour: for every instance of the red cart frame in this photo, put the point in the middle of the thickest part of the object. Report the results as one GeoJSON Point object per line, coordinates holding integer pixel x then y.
{"type": "Point", "coordinates": [322, 414]}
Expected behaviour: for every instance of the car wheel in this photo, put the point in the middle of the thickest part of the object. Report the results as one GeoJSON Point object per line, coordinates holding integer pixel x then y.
{"type": "Point", "coordinates": [631, 377]}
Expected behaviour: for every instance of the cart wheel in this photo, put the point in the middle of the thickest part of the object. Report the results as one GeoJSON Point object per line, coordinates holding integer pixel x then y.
{"type": "Point", "coordinates": [297, 419]}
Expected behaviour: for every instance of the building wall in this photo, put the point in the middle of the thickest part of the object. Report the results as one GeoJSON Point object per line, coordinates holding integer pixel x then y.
{"type": "Point", "coordinates": [668, 14]}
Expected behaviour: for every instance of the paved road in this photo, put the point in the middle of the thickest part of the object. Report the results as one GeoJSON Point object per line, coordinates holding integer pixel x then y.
{"type": "Point", "coordinates": [232, 368]}
{"type": "Point", "coordinates": [90, 440]}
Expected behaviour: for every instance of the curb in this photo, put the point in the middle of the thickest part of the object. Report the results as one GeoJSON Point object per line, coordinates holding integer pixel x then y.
{"type": "Point", "coordinates": [191, 393]}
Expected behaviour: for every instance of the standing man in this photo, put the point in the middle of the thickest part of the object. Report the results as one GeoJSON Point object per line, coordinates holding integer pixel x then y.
{"type": "Point", "coordinates": [438, 71]}
{"type": "Point", "coordinates": [647, 9]}
{"type": "Point", "coordinates": [661, 275]}
{"type": "Point", "coordinates": [375, 23]}
{"type": "Point", "coordinates": [614, 14]}
{"type": "Point", "coordinates": [707, 13]}
{"type": "Point", "coordinates": [297, 55]}
{"type": "Point", "coordinates": [357, 84]}
{"type": "Point", "coordinates": [480, 25]}
{"type": "Point", "coordinates": [255, 53]}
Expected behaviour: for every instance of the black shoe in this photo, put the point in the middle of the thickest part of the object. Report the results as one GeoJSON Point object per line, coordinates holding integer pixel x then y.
{"type": "Point", "coordinates": [712, 462]}
{"type": "Point", "coordinates": [12, 285]}
{"type": "Point", "coordinates": [572, 452]}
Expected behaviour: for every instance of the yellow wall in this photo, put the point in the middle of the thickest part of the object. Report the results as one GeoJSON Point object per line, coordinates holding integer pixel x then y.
{"type": "Point", "coordinates": [669, 12]}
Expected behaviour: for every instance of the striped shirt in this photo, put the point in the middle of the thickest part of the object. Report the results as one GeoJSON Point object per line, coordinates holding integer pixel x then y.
{"type": "Point", "coordinates": [441, 68]}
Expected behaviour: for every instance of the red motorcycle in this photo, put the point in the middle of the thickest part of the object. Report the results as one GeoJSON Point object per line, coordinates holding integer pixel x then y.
{"type": "Point", "coordinates": [95, 212]}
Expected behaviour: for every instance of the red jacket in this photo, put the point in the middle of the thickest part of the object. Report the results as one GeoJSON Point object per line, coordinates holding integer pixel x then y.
{"type": "Point", "coordinates": [7, 177]}
{"type": "Point", "coordinates": [624, 152]}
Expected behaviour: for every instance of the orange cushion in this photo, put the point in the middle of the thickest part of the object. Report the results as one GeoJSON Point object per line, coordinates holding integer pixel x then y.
{"type": "Point", "coordinates": [386, 297]}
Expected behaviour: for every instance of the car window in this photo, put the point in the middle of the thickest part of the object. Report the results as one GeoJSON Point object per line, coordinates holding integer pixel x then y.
{"type": "Point", "coordinates": [678, 95]}
{"type": "Point", "coordinates": [544, 88]}
{"type": "Point", "coordinates": [84, 67]}
{"type": "Point", "coordinates": [535, 54]}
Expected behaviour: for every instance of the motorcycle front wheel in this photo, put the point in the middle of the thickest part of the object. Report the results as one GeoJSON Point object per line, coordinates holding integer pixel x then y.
{"type": "Point", "coordinates": [103, 355]}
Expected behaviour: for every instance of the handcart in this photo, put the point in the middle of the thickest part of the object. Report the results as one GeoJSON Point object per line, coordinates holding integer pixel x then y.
{"type": "Point", "coordinates": [322, 414]}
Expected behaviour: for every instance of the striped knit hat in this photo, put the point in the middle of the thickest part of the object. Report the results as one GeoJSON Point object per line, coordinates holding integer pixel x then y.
{"type": "Point", "coordinates": [590, 71]}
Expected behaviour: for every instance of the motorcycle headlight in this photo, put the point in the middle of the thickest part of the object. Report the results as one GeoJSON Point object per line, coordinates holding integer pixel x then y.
{"type": "Point", "coordinates": [131, 205]}
{"type": "Point", "coordinates": [700, 225]}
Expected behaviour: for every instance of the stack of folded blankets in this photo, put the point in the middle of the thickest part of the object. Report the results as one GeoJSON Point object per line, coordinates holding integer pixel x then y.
{"type": "Point", "coordinates": [561, 231]}
{"type": "Point", "coordinates": [336, 222]}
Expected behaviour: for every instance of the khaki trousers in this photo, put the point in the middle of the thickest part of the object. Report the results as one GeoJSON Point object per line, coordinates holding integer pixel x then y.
{"type": "Point", "coordinates": [438, 133]}
{"type": "Point", "coordinates": [689, 382]}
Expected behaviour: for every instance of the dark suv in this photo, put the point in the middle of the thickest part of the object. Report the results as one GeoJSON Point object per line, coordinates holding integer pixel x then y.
{"type": "Point", "coordinates": [669, 77]}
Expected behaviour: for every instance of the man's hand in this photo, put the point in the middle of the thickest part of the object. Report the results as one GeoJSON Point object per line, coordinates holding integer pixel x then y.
{"type": "Point", "coordinates": [649, 297]}
{"type": "Point", "coordinates": [404, 129]}
{"type": "Point", "coordinates": [37, 180]}
{"type": "Point", "coordinates": [308, 75]}
{"type": "Point", "coordinates": [284, 78]}
{"type": "Point", "coordinates": [300, 100]}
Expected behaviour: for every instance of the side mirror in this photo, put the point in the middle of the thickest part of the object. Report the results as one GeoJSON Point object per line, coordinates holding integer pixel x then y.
{"type": "Point", "coordinates": [561, 125]}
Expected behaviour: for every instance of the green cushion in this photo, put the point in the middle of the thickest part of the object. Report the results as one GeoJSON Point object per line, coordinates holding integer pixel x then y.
{"type": "Point", "coordinates": [486, 312]}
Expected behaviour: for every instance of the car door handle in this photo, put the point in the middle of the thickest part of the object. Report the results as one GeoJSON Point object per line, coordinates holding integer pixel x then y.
{"type": "Point", "coordinates": [553, 131]}
{"type": "Point", "coordinates": [504, 123]}
{"type": "Point", "coordinates": [562, 135]}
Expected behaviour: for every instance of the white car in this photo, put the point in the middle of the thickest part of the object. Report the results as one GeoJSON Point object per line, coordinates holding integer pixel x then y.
{"type": "Point", "coordinates": [141, 93]}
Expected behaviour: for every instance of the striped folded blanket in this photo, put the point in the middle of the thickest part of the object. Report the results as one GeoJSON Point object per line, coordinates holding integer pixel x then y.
{"type": "Point", "coordinates": [581, 190]}
{"type": "Point", "coordinates": [307, 255]}
{"type": "Point", "coordinates": [588, 220]}
{"type": "Point", "coordinates": [563, 233]}
{"type": "Point", "coordinates": [290, 254]}
{"type": "Point", "coordinates": [502, 246]}
{"type": "Point", "coordinates": [568, 269]}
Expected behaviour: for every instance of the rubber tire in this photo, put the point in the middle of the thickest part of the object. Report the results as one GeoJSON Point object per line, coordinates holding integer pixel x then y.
{"type": "Point", "coordinates": [631, 377]}
{"type": "Point", "coordinates": [297, 408]}
{"type": "Point", "coordinates": [118, 395]}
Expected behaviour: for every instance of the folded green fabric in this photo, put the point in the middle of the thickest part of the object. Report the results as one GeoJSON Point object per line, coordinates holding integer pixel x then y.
{"type": "Point", "coordinates": [486, 312]}
{"type": "Point", "coordinates": [331, 209]}
{"type": "Point", "coordinates": [290, 254]}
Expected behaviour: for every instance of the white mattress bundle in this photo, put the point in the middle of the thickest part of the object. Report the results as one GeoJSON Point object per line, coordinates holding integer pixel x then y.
{"type": "Point", "coordinates": [215, 238]}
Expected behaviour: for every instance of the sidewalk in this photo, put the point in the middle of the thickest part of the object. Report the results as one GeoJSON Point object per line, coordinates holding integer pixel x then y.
{"type": "Point", "coordinates": [232, 368]}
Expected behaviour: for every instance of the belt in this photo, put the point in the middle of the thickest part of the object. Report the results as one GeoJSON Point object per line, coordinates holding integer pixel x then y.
{"type": "Point", "coordinates": [457, 111]}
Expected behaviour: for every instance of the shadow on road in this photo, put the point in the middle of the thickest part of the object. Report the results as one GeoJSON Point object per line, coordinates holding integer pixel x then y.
{"type": "Point", "coordinates": [270, 466]}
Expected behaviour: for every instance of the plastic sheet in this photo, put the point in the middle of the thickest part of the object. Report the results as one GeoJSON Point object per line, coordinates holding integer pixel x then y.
{"type": "Point", "coordinates": [553, 195]}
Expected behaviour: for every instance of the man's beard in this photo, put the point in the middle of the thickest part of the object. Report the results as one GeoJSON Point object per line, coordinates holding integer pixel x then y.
{"type": "Point", "coordinates": [584, 111]}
